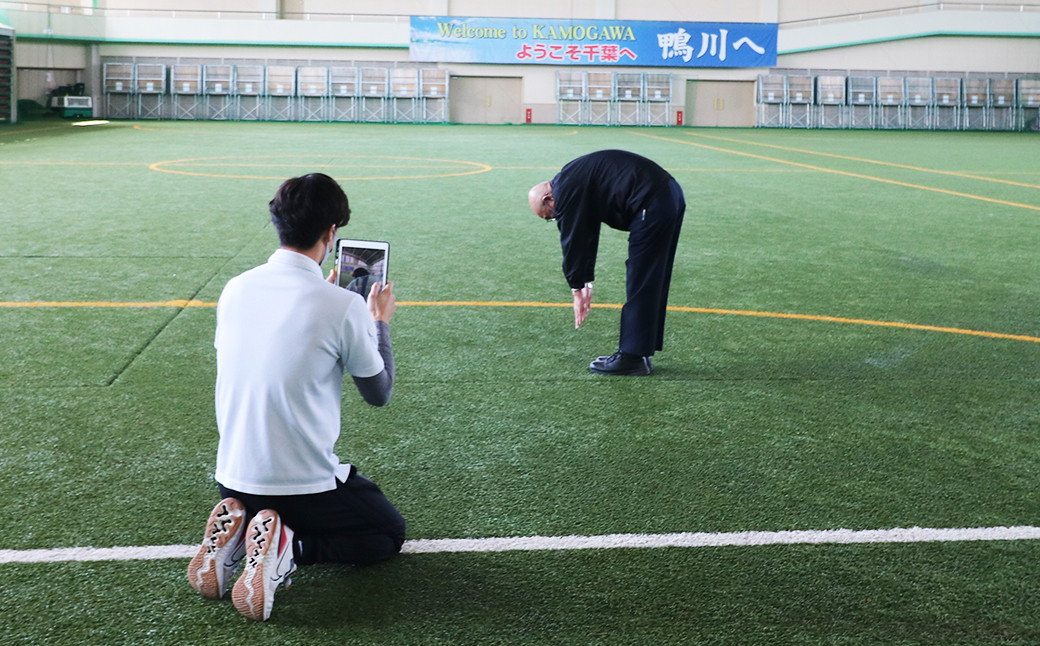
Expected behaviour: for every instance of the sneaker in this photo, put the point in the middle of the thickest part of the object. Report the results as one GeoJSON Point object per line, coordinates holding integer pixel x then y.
{"type": "Point", "coordinates": [622, 363]}
{"type": "Point", "coordinates": [222, 549]}
{"type": "Point", "coordinates": [269, 562]}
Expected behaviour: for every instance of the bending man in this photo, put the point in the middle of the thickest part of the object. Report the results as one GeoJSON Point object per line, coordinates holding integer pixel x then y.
{"type": "Point", "coordinates": [631, 193]}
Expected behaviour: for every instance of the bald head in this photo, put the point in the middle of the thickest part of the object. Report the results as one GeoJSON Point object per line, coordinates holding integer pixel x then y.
{"type": "Point", "coordinates": [540, 199]}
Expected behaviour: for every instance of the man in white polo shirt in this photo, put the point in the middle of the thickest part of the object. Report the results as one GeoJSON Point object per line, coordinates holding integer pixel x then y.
{"type": "Point", "coordinates": [285, 338]}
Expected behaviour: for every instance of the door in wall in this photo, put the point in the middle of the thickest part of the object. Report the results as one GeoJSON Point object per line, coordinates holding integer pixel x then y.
{"type": "Point", "coordinates": [485, 99]}
{"type": "Point", "coordinates": [726, 104]}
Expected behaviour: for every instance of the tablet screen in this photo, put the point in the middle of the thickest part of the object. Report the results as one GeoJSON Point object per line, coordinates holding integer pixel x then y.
{"type": "Point", "coordinates": [361, 263]}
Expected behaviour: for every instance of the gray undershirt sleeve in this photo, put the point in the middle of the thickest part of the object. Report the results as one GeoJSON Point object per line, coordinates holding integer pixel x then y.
{"type": "Point", "coordinates": [376, 390]}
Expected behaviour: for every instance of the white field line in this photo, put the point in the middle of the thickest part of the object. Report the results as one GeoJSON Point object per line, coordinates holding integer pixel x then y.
{"type": "Point", "coordinates": [559, 543]}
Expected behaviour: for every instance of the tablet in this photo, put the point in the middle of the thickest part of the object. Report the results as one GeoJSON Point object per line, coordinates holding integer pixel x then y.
{"type": "Point", "coordinates": [361, 263]}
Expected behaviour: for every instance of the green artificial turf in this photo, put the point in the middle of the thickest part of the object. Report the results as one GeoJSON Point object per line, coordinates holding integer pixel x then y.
{"type": "Point", "coordinates": [751, 421]}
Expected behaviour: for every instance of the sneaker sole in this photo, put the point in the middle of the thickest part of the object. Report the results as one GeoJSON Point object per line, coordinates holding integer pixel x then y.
{"type": "Point", "coordinates": [251, 594]}
{"type": "Point", "coordinates": [207, 572]}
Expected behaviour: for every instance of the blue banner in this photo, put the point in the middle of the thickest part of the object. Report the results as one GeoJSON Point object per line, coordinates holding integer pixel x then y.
{"type": "Point", "coordinates": [530, 41]}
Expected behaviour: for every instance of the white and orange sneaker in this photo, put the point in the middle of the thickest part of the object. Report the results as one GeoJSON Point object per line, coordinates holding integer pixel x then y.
{"type": "Point", "coordinates": [269, 562]}
{"type": "Point", "coordinates": [223, 546]}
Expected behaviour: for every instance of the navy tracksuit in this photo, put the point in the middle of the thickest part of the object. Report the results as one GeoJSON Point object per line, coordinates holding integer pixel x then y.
{"type": "Point", "coordinates": [631, 193]}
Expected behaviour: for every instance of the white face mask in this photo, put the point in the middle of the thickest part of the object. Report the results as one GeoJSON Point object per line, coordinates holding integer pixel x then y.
{"type": "Point", "coordinates": [328, 252]}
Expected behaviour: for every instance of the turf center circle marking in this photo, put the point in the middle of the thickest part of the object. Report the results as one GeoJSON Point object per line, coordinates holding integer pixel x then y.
{"type": "Point", "coordinates": [428, 167]}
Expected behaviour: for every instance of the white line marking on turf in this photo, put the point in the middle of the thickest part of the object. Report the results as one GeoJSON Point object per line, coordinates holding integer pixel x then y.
{"type": "Point", "coordinates": [730, 539]}
{"type": "Point", "coordinates": [558, 543]}
{"type": "Point", "coordinates": [62, 554]}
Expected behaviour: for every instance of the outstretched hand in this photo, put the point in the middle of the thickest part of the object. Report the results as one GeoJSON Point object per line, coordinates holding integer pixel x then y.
{"type": "Point", "coordinates": [382, 302]}
{"type": "Point", "coordinates": [582, 304]}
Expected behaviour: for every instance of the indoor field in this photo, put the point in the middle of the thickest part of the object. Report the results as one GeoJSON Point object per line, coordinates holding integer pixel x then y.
{"type": "Point", "coordinates": [852, 344]}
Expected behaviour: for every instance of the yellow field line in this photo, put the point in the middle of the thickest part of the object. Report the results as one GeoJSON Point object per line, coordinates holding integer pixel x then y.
{"type": "Point", "coordinates": [163, 166]}
{"type": "Point", "coordinates": [864, 160]}
{"type": "Point", "coordinates": [674, 308]}
{"type": "Point", "coordinates": [841, 319]}
{"type": "Point", "coordinates": [69, 163]}
{"type": "Point", "coordinates": [834, 171]}
{"type": "Point", "coordinates": [325, 165]}
{"type": "Point", "coordinates": [107, 304]}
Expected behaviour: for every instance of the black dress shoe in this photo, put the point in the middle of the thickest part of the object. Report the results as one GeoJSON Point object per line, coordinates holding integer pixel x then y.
{"type": "Point", "coordinates": [622, 363]}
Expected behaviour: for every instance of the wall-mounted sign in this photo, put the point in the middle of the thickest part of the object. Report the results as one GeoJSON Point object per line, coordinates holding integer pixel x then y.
{"type": "Point", "coordinates": [530, 41]}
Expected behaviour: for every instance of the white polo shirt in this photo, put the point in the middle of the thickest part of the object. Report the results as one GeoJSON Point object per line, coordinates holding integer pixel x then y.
{"type": "Point", "coordinates": [284, 338]}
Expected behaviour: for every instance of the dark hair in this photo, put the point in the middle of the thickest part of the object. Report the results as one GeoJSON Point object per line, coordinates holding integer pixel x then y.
{"type": "Point", "coordinates": [359, 272]}
{"type": "Point", "coordinates": [305, 207]}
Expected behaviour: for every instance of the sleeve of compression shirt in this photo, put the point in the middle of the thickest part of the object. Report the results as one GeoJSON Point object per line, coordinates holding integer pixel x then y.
{"type": "Point", "coordinates": [376, 390]}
